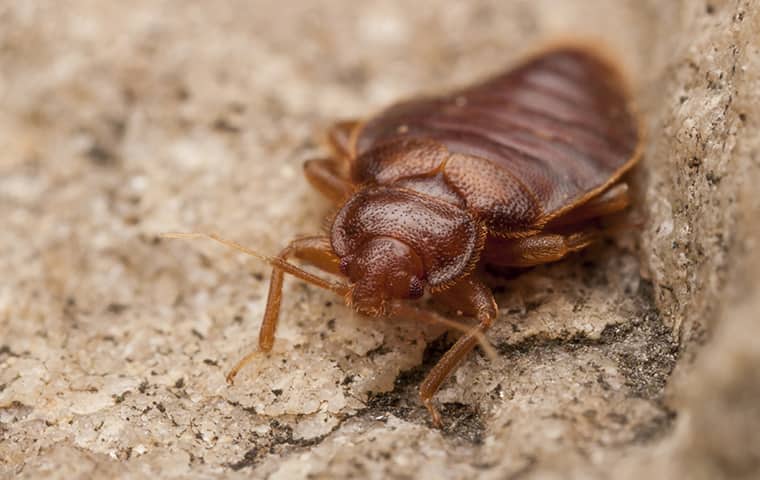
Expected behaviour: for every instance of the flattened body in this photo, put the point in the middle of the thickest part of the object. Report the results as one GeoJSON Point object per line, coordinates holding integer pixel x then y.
{"type": "Point", "coordinates": [521, 148]}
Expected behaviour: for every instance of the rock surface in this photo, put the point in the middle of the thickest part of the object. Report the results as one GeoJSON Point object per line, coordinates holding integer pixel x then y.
{"type": "Point", "coordinates": [120, 120]}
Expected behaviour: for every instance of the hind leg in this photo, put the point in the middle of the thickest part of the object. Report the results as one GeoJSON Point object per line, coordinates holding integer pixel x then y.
{"type": "Point", "coordinates": [614, 200]}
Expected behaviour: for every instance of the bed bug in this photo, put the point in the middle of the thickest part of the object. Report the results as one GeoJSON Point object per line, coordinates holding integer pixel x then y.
{"type": "Point", "coordinates": [510, 172]}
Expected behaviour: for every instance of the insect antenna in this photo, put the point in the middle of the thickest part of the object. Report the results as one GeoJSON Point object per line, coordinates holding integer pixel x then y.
{"type": "Point", "coordinates": [337, 287]}
{"type": "Point", "coordinates": [342, 289]}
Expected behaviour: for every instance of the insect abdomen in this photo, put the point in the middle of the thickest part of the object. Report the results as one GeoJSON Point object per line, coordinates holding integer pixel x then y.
{"type": "Point", "coordinates": [558, 129]}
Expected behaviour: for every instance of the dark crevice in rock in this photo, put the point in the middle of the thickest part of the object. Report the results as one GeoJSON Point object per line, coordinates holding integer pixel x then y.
{"type": "Point", "coordinates": [5, 350]}
{"type": "Point", "coordinates": [642, 348]}
{"type": "Point", "coordinates": [250, 459]}
{"type": "Point", "coordinates": [657, 427]}
{"type": "Point", "coordinates": [279, 441]}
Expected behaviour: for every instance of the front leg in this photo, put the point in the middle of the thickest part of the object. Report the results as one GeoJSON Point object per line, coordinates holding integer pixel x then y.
{"type": "Point", "coordinates": [472, 297]}
{"type": "Point", "coordinates": [314, 250]}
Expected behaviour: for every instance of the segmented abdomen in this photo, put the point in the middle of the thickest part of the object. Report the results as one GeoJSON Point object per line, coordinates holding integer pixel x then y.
{"type": "Point", "coordinates": [559, 127]}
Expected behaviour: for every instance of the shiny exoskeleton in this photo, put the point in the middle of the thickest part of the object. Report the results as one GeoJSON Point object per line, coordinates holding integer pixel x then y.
{"type": "Point", "coordinates": [508, 172]}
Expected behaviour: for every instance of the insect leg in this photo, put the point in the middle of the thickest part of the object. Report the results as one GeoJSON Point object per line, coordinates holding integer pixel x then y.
{"type": "Point", "coordinates": [538, 249]}
{"type": "Point", "coordinates": [314, 250]}
{"type": "Point", "coordinates": [612, 201]}
{"type": "Point", "coordinates": [331, 175]}
{"type": "Point", "coordinates": [340, 138]}
{"type": "Point", "coordinates": [402, 309]}
{"type": "Point", "coordinates": [324, 175]}
{"type": "Point", "coordinates": [475, 298]}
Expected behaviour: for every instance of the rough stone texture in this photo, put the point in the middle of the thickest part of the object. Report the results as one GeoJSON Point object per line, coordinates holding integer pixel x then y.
{"type": "Point", "coordinates": [121, 120]}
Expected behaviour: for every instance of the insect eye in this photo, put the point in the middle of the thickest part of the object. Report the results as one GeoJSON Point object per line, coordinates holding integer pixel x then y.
{"type": "Point", "coordinates": [344, 264]}
{"type": "Point", "coordinates": [416, 288]}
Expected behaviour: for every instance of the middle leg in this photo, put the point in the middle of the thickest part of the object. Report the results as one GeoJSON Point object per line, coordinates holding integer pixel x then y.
{"type": "Point", "coordinates": [332, 175]}
{"type": "Point", "coordinates": [536, 250]}
{"type": "Point", "coordinates": [325, 176]}
{"type": "Point", "coordinates": [563, 235]}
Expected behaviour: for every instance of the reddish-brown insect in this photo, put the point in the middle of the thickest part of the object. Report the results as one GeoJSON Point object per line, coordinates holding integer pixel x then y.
{"type": "Point", "coordinates": [509, 172]}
